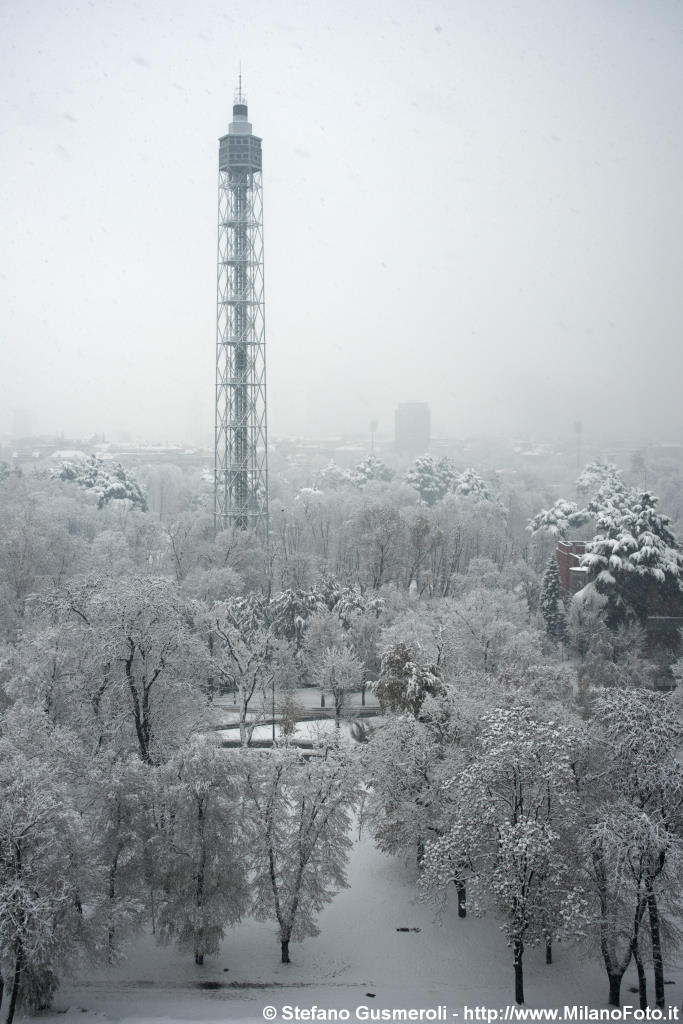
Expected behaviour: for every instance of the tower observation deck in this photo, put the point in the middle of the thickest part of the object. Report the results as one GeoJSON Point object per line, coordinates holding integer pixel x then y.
{"type": "Point", "coordinates": [241, 455]}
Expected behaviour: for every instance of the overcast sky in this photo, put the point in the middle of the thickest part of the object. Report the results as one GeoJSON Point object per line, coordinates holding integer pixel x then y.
{"type": "Point", "coordinates": [474, 203]}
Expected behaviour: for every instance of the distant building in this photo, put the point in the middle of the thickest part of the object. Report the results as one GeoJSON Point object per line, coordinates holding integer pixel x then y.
{"type": "Point", "coordinates": [412, 428]}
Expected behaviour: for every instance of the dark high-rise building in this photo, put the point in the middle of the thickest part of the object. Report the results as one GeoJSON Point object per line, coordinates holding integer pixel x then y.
{"type": "Point", "coordinates": [241, 454]}
{"type": "Point", "coordinates": [412, 428]}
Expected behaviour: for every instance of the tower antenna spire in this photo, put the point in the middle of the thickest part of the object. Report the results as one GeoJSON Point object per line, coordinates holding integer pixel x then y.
{"type": "Point", "coordinates": [240, 97]}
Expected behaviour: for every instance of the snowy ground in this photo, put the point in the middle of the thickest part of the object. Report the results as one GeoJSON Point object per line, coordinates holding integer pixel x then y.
{"type": "Point", "coordinates": [313, 730]}
{"type": "Point", "coordinates": [359, 951]}
{"type": "Point", "coordinates": [308, 698]}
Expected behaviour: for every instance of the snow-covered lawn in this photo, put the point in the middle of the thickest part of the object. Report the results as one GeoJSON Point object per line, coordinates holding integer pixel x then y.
{"type": "Point", "coordinates": [359, 951]}
{"type": "Point", "coordinates": [314, 730]}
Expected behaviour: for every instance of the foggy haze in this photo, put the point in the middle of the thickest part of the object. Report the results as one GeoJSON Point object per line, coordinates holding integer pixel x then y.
{"type": "Point", "coordinates": [475, 205]}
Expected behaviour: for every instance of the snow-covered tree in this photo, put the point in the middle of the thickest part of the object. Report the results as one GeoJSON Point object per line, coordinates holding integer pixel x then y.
{"type": "Point", "coordinates": [635, 840]}
{"type": "Point", "coordinates": [288, 611]}
{"type": "Point", "coordinates": [432, 478]}
{"type": "Point", "coordinates": [596, 475]}
{"type": "Point", "coordinates": [340, 673]}
{"type": "Point", "coordinates": [470, 483]}
{"type": "Point", "coordinates": [247, 662]}
{"type": "Point", "coordinates": [199, 867]}
{"type": "Point", "coordinates": [634, 553]}
{"type": "Point", "coordinates": [404, 808]}
{"type": "Point", "coordinates": [299, 818]}
{"type": "Point", "coordinates": [550, 604]}
{"type": "Point", "coordinates": [481, 626]}
{"type": "Point", "coordinates": [333, 478]}
{"type": "Point", "coordinates": [610, 657]}
{"type": "Point", "coordinates": [44, 850]}
{"type": "Point", "coordinates": [378, 530]}
{"type": "Point", "coordinates": [558, 520]}
{"type": "Point", "coordinates": [404, 683]}
{"type": "Point", "coordinates": [119, 805]}
{"type": "Point", "coordinates": [43, 542]}
{"type": "Point", "coordinates": [622, 847]}
{"type": "Point", "coordinates": [349, 602]}
{"type": "Point", "coordinates": [509, 828]}
{"type": "Point", "coordinates": [371, 468]}
{"type": "Point", "coordinates": [323, 630]}
{"type": "Point", "coordinates": [190, 539]}
{"type": "Point", "coordinates": [109, 481]}
{"type": "Point", "coordinates": [144, 668]}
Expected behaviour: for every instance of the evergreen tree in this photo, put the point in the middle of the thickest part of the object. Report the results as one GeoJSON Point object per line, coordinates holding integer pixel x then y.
{"type": "Point", "coordinates": [634, 553]}
{"type": "Point", "coordinates": [432, 478]}
{"type": "Point", "coordinates": [550, 605]}
{"type": "Point", "coordinates": [470, 483]}
{"type": "Point", "coordinates": [403, 683]}
{"type": "Point", "coordinates": [371, 468]}
{"type": "Point", "coordinates": [109, 481]}
{"type": "Point", "coordinates": [558, 520]}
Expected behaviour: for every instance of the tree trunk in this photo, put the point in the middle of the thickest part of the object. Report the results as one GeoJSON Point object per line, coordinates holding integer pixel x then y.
{"type": "Point", "coordinates": [244, 739]}
{"type": "Point", "coordinates": [615, 988]}
{"type": "Point", "coordinates": [113, 869]}
{"type": "Point", "coordinates": [15, 984]}
{"type": "Point", "coordinates": [2, 989]}
{"type": "Point", "coordinates": [462, 903]}
{"type": "Point", "coordinates": [519, 971]}
{"type": "Point", "coordinates": [420, 851]}
{"type": "Point", "coordinates": [199, 891]}
{"type": "Point", "coordinates": [153, 909]}
{"type": "Point", "coordinates": [362, 695]}
{"type": "Point", "coordinates": [548, 951]}
{"type": "Point", "coordinates": [284, 946]}
{"type": "Point", "coordinates": [642, 981]}
{"type": "Point", "coordinates": [657, 958]}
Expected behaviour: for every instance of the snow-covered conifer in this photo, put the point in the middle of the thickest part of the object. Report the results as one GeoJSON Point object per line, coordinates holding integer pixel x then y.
{"type": "Point", "coordinates": [404, 683]}
{"type": "Point", "coordinates": [432, 478]}
{"type": "Point", "coordinates": [633, 553]}
{"type": "Point", "coordinates": [471, 484]}
{"type": "Point", "coordinates": [558, 520]}
{"type": "Point", "coordinates": [550, 604]}
{"type": "Point", "coordinates": [599, 475]}
{"type": "Point", "coordinates": [371, 468]}
{"type": "Point", "coordinates": [109, 481]}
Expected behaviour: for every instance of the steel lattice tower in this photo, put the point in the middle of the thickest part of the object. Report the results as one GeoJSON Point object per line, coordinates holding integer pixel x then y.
{"type": "Point", "coordinates": [241, 453]}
